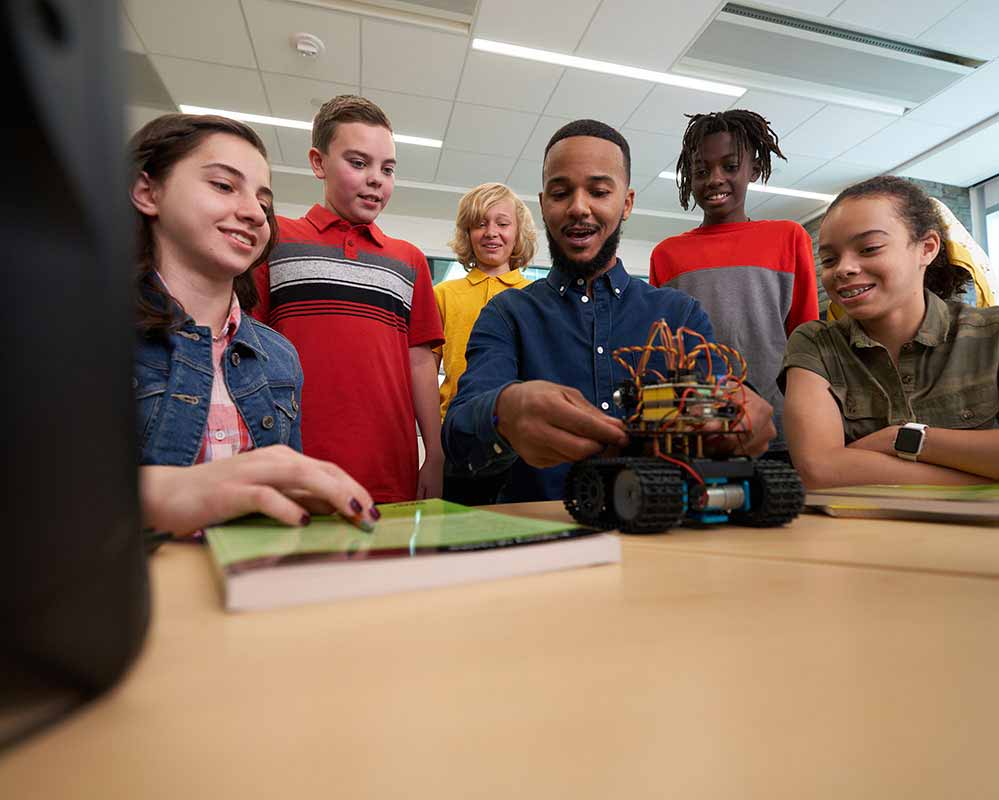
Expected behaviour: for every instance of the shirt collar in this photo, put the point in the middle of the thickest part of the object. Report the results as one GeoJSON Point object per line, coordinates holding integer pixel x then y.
{"type": "Point", "coordinates": [932, 331]}
{"type": "Point", "coordinates": [617, 279]}
{"type": "Point", "coordinates": [322, 219]}
{"type": "Point", "coordinates": [476, 276]}
{"type": "Point", "coordinates": [231, 323]}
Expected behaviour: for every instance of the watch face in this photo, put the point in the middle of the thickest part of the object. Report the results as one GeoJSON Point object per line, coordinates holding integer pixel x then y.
{"type": "Point", "coordinates": [908, 440]}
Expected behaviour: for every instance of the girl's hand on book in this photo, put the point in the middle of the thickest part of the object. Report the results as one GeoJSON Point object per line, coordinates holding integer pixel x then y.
{"type": "Point", "coordinates": [276, 481]}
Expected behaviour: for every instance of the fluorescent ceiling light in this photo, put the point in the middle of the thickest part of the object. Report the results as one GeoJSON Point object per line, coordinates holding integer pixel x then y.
{"type": "Point", "coordinates": [280, 122]}
{"type": "Point", "coordinates": [765, 189]}
{"type": "Point", "coordinates": [503, 49]}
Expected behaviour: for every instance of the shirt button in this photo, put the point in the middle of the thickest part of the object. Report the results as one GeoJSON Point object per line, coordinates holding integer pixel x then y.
{"type": "Point", "coordinates": [579, 281]}
{"type": "Point", "coordinates": [600, 350]}
{"type": "Point", "coordinates": [220, 435]}
{"type": "Point", "coordinates": [585, 299]}
{"type": "Point", "coordinates": [561, 288]}
{"type": "Point", "coordinates": [350, 243]}
{"type": "Point", "coordinates": [267, 422]}
{"type": "Point", "coordinates": [605, 406]}
{"type": "Point", "coordinates": [967, 414]}
{"type": "Point", "coordinates": [497, 448]}
{"type": "Point", "coordinates": [617, 291]}
{"type": "Point", "coordinates": [234, 358]}
{"type": "Point", "coordinates": [294, 403]}
{"type": "Point", "coordinates": [906, 379]}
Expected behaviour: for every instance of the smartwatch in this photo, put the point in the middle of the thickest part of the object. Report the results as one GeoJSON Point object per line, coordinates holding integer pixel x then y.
{"type": "Point", "coordinates": [909, 441]}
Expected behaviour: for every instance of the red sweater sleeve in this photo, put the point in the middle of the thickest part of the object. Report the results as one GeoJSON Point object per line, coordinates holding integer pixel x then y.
{"type": "Point", "coordinates": [805, 297]}
{"type": "Point", "coordinates": [262, 279]}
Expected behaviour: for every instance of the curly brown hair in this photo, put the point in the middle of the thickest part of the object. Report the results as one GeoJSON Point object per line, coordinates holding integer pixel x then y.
{"type": "Point", "coordinates": [916, 209]}
{"type": "Point", "coordinates": [153, 151]}
{"type": "Point", "coordinates": [751, 132]}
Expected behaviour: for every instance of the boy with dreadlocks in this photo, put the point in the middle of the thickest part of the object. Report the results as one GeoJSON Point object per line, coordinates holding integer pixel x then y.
{"type": "Point", "coordinates": [756, 280]}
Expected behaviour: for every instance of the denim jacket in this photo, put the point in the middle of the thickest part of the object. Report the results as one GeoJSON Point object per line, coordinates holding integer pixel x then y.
{"type": "Point", "coordinates": [173, 389]}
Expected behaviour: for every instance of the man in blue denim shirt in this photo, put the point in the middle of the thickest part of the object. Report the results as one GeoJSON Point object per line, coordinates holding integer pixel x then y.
{"type": "Point", "coordinates": [537, 390]}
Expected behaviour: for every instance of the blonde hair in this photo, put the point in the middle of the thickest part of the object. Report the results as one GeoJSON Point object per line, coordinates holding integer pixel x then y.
{"type": "Point", "coordinates": [472, 210]}
{"type": "Point", "coordinates": [344, 108]}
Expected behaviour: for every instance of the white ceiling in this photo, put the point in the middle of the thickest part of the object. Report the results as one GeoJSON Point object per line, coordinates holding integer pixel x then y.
{"type": "Point", "coordinates": [495, 114]}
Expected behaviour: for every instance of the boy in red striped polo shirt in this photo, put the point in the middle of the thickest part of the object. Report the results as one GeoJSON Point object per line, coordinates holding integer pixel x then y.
{"type": "Point", "coordinates": [359, 307]}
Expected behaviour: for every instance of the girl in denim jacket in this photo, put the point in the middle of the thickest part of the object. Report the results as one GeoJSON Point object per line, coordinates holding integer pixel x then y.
{"type": "Point", "coordinates": [211, 382]}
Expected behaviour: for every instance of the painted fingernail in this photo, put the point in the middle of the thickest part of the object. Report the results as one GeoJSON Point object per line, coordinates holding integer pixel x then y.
{"type": "Point", "coordinates": [355, 506]}
{"type": "Point", "coordinates": [305, 520]}
{"type": "Point", "coordinates": [375, 513]}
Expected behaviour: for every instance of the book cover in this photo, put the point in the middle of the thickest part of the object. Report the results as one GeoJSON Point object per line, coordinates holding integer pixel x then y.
{"type": "Point", "coordinates": [978, 503]}
{"type": "Point", "coordinates": [420, 544]}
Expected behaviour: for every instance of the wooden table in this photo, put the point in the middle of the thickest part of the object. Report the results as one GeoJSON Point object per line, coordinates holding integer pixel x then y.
{"type": "Point", "coordinates": [833, 658]}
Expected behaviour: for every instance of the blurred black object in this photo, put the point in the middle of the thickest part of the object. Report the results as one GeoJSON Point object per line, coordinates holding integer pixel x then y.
{"type": "Point", "coordinates": [74, 595]}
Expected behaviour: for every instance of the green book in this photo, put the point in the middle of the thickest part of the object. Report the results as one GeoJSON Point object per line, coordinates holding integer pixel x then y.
{"type": "Point", "coordinates": [977, 504]}
{"type": "Point", "coordinates": [416, 545]}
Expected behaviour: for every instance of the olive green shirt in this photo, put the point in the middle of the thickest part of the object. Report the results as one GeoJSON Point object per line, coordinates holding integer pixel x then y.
{"type": "Point", "coordinates": [946, 377]}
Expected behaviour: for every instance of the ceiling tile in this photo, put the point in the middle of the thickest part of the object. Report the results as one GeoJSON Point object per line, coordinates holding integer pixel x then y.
{"type": "Point", "coordinates": [550, 25]}
{"type": "Point", "coordinates": [470, 169]}
{"type": "Point", "coordinates": [295, 145]}
{"type": "Point", "coordinates": [268, 135]}
{"type": "Point", "coordinates": [541, 135]}
{"type": "Point", "coordinates": [664, 109]}
{"type": "Point", "coordinates": [644, 33]}
{"type": "Point", "coordinates": [300, 98]}
{"type": "Point", "coordinates": [969, 30]}
{"type": "Point", "coordinates": [784, 112]}
{"type": "Point", "coordinates": [198, 83]}
{"type": "Point", "coordinates": [212, 31]}
{"type": "Point", "coordinates": [129, 38]}
{"type": "Point", "coordinates": [409, 114]}
{"type": "Point", "coordinates": [526, 178]}
{"type": "Point", "coordinates": [833, 130]}
{"type": "Point", "coordinates": [896, 144]}
{"type": "Point", "coordinates": [504, 82]}
{"type": "Point", "coordinates": [416, 163]}
{"type": "Point", "coordinates": [816, 8]}
{"type": "Point", "coordinates": [834, 177]}
{"type": "Point", "coordinates": [651, 153]}
{"type": "Point", "coordinates": [495, 131]}
{"type": "Point", "coordinates": [607, 98]}
{"type": "Point", "coordinates": [137, 116]}
{"type": "Point", "coordinates": [662, 194]}
{"type": "Point", "coordinates": [907, 18]}
{"type": "Point", "coordinates": [787, 173]}
{"type": "Point", "coordinates": [272, 24]}
{"type": "Point", "coordinates": [966, 103]}
{"type": "Point", "coordinates": [412, 60]}
{"type": "Point", "coordinates": [796, 208]}
{"type": "Point", "coordinates": [965, 163]}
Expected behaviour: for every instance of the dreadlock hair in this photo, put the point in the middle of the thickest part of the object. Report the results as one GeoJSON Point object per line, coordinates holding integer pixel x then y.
{"type": "Point", "coordinates": [751, 133]}
{"type": "Point", "coordinates": [919, 214]}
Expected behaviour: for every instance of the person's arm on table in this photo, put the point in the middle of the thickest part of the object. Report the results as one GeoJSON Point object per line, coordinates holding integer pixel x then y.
{"type": "Point", "coordinates": [276, 481]}
{"type": "Point", "coordinates": [427, 404]}
{"type": "Point", "coordinates": [494, 417]}
{"type": "Point", "coordinates": [974, 452]}
{"type": "Point", "coordinates": [818, 447]}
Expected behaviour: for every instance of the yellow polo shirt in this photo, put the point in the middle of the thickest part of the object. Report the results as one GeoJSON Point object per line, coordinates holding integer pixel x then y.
{"type": "Point", "coordinates": [459, 302]}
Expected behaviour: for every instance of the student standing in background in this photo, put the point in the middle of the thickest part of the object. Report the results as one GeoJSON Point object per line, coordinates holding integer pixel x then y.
{"type": "Point", "coordinates": [756, 280]}
{"type": "Point", "coordinates": [494, 237]}
{"type": "Point", "coordinates": [359, 307]}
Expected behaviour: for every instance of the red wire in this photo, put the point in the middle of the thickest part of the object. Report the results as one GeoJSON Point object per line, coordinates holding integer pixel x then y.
{"type": "Point", "coordinates": [687, 467]}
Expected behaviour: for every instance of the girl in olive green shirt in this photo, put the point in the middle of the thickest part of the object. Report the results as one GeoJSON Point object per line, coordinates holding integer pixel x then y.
{"type": "Point", "coordinates": [905, 353]}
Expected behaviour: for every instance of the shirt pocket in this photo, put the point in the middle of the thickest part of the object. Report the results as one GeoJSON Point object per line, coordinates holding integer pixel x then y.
{"type": "Point", "coordinates": [287, 402]}
{"type": "Point", "coordinates": [863, 412]}
{"type": "Point", "coordinates": [149, 383]}
{"type": "Point", "coordinates": [976, 406]}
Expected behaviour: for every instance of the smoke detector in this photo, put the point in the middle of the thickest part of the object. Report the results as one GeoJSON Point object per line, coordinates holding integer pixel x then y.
{"type": "Point", "coordinates": [307, 45]}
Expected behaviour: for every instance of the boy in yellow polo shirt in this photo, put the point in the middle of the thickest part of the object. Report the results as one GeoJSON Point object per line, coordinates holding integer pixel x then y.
{"type": "Point", "coordinates": [494, 237]}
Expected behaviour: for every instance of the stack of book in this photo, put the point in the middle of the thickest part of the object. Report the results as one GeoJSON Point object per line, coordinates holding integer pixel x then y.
{"type": "Point", "coordinates": [418, 545]}
{"type": "Point", "coordinates": [974, 504]}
